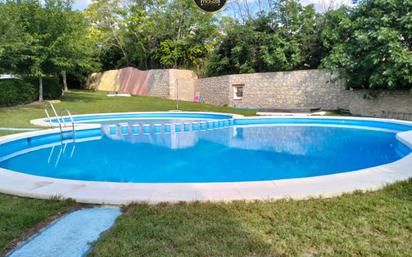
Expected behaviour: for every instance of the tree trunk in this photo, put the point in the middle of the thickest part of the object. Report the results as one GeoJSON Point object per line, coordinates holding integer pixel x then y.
{"type": "Point", "coordinates": [64, 75]}
{"type": "Point", "coordinates": [41, 89]}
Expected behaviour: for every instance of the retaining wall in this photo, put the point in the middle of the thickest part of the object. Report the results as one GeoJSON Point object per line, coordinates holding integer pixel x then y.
{"type": "Point", "coordinates": [272, 90]}
{"type": "Point", "coordinates": [304, 89]}
{"type": "Point", "coordinates": [161, 83]}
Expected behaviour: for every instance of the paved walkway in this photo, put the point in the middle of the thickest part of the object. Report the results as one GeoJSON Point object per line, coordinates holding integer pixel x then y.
{"type": "Point", "coordinates": [71, 235]}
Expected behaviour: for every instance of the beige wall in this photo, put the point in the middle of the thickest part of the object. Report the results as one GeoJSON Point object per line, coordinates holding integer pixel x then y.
{"type": "Point", "coordinates": [304, 89]}
{"type": "Point", "coordinates": [182, 83]}
{"type": "Point", "coordinates": [276, 90]}
{"type": "Point", "coordinates": [104, 81]}
{"type": "Point", "coordinates": [160, 82]}
{"type": "Point", "coordinates": [296, 89]}
{"type": "Point", "coordinates": [385, 104]}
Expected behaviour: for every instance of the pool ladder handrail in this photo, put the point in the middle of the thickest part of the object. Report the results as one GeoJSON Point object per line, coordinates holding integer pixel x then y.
{"type": "Point", "coordinates": [60, 119]}
{"type": "Point", "coordinates": [71, 121]}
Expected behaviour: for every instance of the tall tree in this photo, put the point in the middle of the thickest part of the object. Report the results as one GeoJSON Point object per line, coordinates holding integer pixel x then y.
{"type": "Point", "coordinates": [281, 39]}
{"type": "Point", "coordinates": [73, 48]}
{"type": "Point", "coordinates": [107, 31]}
{"type": "Point", "coordinates": [44, 38]}
{"type": "Point", "coordinates": [371, 45]}
{"type": "Point", "coordinates": [189, 36]}
{"type": "Point", "coordinates": [14, 40]}
{"type": "Point", "coordinates": [152, 33]}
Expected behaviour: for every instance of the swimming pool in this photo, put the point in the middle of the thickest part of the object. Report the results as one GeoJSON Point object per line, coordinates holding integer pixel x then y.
{"type": "Point", "coordinates": [191, 152]}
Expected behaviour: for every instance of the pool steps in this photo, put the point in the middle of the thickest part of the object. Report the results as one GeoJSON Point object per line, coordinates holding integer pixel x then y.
{"type": "Point", "coordinates": [61, 121]}
{"type": "Point", "coordinates": [135, 129]}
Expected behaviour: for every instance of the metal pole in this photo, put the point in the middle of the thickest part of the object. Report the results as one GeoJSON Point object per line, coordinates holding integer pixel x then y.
{"type": "Point", "coordinates": [177, 95]}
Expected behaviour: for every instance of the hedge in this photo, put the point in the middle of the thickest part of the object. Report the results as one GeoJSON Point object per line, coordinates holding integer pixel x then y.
{"type": "Point", "coordinates": [13, 92]}
{"type": "Point", "coordinates": [52, 89]}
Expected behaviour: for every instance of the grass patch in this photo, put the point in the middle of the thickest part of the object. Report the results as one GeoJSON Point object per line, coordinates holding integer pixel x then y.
{"type": "Point", "coordinates": [82, 102]}
{"type": "Point", "coordinates": [20, 217]}
{"type": "Point", "coordinates": [361, 224]}
{"type": "Point", "coordinates": [7, 132]}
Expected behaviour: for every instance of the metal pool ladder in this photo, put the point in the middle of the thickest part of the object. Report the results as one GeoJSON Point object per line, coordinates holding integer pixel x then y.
{"type": "Point", "coordinates": [61, 120]}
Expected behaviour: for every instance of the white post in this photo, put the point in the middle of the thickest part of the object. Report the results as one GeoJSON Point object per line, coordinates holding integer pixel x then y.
{"type": "Point", "coordinates": [177, 94]}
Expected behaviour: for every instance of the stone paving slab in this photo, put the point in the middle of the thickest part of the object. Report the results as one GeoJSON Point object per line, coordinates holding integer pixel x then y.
{"type": "Point", "coordinates": [71, 235]}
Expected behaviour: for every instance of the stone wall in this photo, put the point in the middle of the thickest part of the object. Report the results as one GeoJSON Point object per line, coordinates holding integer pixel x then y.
{"type": "Point", "coordinates": [303, 89]}
{"type": "Point", "coordinates": [182, 84]}
{"type": "Point", "coordinates": [278, 90]}
{"type": "Point", "coordinates": [215, 90]}
{"type": "Point", "coordinates": [383, 104]}
{"type": "Point", "coordinates": [158, 83]}
{"type": "Point", "coordinates": [272, 90]}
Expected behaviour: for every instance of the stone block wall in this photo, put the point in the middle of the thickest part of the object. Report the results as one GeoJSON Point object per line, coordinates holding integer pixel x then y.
{"type": "Point", "coordinates": [383, 104]}
{"type": "Point", "coordinates": [158, 83]}
{"type": "Point", "coordinates": [279, 90]}
{"type": "Point", "coordinates": [304, 89]}
{"type": "Point", "coordinates": [182, 84]}
{"type": "Point", "coordinates": [272, 90]}
{"type": "Point", "coordinates": [215, 90]}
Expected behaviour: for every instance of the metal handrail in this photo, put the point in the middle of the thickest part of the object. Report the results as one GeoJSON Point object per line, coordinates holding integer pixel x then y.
{"type": "Point", "coordinates": [48, 117]}
{"type": "Point", "coordinates": [60, 119]}
{"type": "Point", "coordinates": [72, 121]}
{"type": "Point", "coordinates": [57, 117]}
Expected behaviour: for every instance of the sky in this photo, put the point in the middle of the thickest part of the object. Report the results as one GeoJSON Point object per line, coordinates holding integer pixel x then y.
{"type": "Point", "coordinates": [81, 4]}
{"type": "Point", "coordinates": [320, 5]}
{"type": "Point", "coordinates": [324, 5]}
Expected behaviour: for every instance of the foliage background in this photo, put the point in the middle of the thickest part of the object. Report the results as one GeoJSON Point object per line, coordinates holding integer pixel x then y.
{"type": "Point", "coordinates": [368, 44]}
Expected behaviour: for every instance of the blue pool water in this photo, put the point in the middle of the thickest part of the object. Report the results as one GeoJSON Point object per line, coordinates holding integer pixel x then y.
{"type": "Point", "coordinates": [249, 151]}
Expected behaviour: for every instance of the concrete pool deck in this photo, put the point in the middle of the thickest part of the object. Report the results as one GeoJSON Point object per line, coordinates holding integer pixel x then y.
{"type": "Point", "coordinates": [125, 193]}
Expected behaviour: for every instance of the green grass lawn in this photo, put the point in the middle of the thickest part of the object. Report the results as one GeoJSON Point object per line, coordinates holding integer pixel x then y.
{"type": "Point", "coordinates": [361, 224]}
{"type": "Point", "coordinates": [81, 101]}
{"type": "Point", "coordinates": [4, 133]}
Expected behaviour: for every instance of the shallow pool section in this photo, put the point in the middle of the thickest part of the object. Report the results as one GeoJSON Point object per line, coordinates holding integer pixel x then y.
{"type": "Point", "coordinates": [251, 151]}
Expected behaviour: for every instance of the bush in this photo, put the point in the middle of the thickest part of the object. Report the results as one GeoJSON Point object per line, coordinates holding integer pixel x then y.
{"type": "Point", "coordinates": [13, 92]}
{"type": "Point", "coordinates": [52, 89]}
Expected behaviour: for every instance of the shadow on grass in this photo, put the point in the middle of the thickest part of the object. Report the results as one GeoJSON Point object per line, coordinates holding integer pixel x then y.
{"type": "Point", "coordinates": [360, 224]}
{"type": "Point", "coordinates": [195, 229]}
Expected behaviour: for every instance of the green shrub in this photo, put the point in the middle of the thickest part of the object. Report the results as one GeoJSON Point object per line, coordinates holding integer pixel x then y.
{"type": "Point", "coordinates": [52, 89]}
{"type": "Point", "coordinates": [13, 92]}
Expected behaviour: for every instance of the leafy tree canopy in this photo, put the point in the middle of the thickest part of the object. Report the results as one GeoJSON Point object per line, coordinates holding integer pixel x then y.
{"type": "Point", "coordinates": [371, 44]}
{"type": "Point", "coordinates": [152, 33]}
{"type": "Point", "coordinates": [43, 38]}
{"type": "Point", "coordinates": [285, 38]}
{"type": "Point", "coordinates": [368, 45]}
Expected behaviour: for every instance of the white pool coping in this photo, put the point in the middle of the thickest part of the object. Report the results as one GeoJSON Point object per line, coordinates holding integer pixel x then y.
{"type": "Point", "coordinates": [373, 178]}
{"type": "Point", "coordinates": [44, 123]}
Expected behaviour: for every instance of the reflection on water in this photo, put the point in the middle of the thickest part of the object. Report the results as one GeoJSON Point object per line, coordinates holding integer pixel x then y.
{"type": "Point", "coordinates": [205, 153]}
